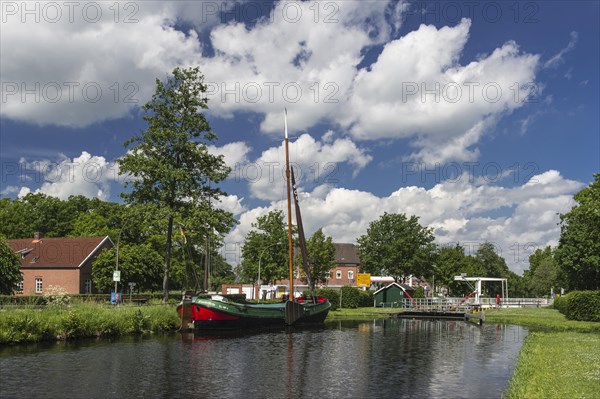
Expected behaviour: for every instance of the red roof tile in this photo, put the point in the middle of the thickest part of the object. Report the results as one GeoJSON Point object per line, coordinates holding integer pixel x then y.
{"type": "Point", "coordinates": [69, 252]}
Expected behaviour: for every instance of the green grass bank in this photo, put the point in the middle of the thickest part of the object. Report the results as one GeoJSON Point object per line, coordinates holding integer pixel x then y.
{"type": "Point", "coordinates": [560, 358]}
{"type": "Point", "coordinates": [83, 320]}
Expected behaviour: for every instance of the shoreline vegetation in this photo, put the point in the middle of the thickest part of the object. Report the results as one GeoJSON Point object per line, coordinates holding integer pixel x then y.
{"type": "Point", "coordinates": [560, 358]}
{"type": "Point", "coordinates": [32, 324]}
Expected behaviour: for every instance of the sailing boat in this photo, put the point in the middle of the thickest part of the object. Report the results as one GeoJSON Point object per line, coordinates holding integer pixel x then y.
{"type": "Point", "coordinates": [219, 313]}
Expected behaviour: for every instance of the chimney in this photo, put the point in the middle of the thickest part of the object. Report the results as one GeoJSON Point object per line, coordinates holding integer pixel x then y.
{"type": "Point", "coordinates": [38, 235]}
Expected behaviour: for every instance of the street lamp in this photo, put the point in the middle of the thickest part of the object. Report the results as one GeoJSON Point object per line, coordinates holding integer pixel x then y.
{"type": "Point", "coordinates": [259, 260]}
{"type": "Point", "coordinates": [117, 274]}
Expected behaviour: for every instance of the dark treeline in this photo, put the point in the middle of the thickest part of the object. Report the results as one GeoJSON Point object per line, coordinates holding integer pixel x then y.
{"type": "Point", "coordinates": [138, 230]}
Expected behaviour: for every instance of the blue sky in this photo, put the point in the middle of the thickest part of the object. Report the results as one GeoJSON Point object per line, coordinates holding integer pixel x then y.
{"type": "Point", "coordinates": [479, 117]}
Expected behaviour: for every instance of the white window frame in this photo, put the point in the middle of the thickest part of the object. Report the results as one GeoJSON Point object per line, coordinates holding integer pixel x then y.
{"type": "Point", "coordinates": [338, 274]}
{"type": "Point", "coordinates": [19, 288]}
{"type": "Point", "coordinates": [39, 285]}
{"type": "Point", "coordinates": [350, 274]}
{"type": "Point", "coordinates": [87, 286]}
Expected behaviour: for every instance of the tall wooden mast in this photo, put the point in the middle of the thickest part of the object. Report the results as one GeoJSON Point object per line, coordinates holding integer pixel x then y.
{"type": "Point", "coordinates": [289, 206]}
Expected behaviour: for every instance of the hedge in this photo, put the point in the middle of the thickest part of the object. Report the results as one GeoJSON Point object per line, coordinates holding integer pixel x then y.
{"type": "Point", "coordinates": [352, 297]}
{"type": "Point", "coordinates": [332, 295]}
{"type": "Point", "coordinates": [580, 305]}
{"type": "Point", "coordinates": [37, 300]}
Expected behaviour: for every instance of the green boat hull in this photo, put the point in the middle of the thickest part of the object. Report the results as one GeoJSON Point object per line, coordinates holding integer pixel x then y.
{"type": "Point", "coordinates": [221, 314]}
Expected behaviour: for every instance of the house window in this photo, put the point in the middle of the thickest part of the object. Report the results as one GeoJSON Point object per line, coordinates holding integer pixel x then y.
{"type": "Point", "coordinates": [350, 275]}
{"type": "Point", "coordinates": [88, 286]}
{"type": "Point", "coordinates": [19, 288]}
{"type": "Point", "coordinates": [328, 276]}
{"type": "Point", "coordinates": [38, 285]}
{"type": "Point", "coordinates": [338, 274]}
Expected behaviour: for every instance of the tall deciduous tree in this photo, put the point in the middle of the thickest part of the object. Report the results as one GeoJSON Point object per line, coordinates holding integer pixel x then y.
{"type": "Point", "coordinates": [169, 163]}
{"type": "Point", "coordinates": [9, 269]}
{"type": "Point", "coordinates": [321, 254]}
{"type": "Point", "coordinates": [491, 262]}
{"type": "Point", "coordinates": [543, 274]}
{"type": "Point", "coordinates": [578, 251]}
{"type": "Point", "coordinates": [139, 264]}
{"type": "Point", "coordinates": [450, 262]}
{"type": "Point", "coordinates": [267, 246]}
{"type": "Point", "coordinates": [397, 246]}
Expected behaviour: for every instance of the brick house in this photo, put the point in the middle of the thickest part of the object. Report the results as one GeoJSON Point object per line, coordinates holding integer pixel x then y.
{"type": "Point", "coordinates": [65, 262]}
{"type": "Point", "coordinates": [347, 266]}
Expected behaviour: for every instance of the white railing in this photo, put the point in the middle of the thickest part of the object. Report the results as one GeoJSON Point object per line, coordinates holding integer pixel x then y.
{"type": "Point", "coordinates": [457, 304]}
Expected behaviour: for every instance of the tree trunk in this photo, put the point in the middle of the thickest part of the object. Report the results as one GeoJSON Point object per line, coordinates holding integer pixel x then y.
{"type": "Point", "coordinates": [167, 261]}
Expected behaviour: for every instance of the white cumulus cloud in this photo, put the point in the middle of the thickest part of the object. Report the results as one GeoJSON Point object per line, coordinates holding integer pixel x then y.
{"type": "Point", "coordinates": [85, 175]}
{"type": "Point", "coordinates": [458, 210]}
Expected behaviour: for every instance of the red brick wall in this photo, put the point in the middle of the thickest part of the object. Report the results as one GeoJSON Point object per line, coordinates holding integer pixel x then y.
{"type": "Point", "coordinates": [344, 280]}
{"type": "Point", "coordinates": [65, 278]}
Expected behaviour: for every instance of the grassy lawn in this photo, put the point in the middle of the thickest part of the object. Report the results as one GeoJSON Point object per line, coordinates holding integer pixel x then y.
{"type": "Point", "coordinates": [557, 365]}
{"type": "Point", "coordinates": [560, 358]}
{"type": "Point", "coordinates": [541, 319]}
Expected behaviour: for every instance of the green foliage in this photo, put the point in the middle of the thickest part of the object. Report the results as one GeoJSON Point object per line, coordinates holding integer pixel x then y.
{"type": "Point", "coordinates": [37, 212]}
{"type": "Point", "coordinates": [578, 251]}
{"type": "Point", "coordinates": [543, 274]}
{"type": "Point", "coordinates": [84, 320]}
{"type": "Point", "coordinates": [138, 263]}
{"type": "Point", "coordinates": [332, 295]}
{"type": "Point", "coordinates": [56, 295]}
{"type": "Point", "coordinates": [580, 305]}
{"type": "Point", "coordinates": [517, 286]}
{"type": "Point", "coordinates": [419, 293]}
{"type": "Point", "coordinates": [10, 273]}
{"type": "Point", "coordinates": [140, 321]}
{"type": "Point", "coordinates": [397, 246]}
{"type": "Point", "coordinates": [493, 265]}
{"type": "Point", "coordinates": [350, 297]}
{"type": "Point", "coordinates": [450, 262]}
{"type": "Point", "coordinates": [556, 365]}
{"type": "Point", "coordinates": [267, 245]}
{"type": "Point", "coordinates": [366, 299]}
{"type": "Point", "coordinates": [321, 254]}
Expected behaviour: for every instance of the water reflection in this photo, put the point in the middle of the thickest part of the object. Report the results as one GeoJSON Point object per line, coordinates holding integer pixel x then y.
{"type": "Point", "coordinates": [380, 358]}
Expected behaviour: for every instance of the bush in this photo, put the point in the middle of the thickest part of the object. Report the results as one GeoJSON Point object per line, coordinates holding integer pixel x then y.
{"type": "Point", "coordinates": [56, 295]}
{"type": "Point", "coordinates": [332, 295]}
{"type": "Point", "coordinates": [366, 299]}
{"type": "Point", "coordinates": [580, 305]}
{"type": "Point", "coordinates": [419, 293]}
{"type": "Point", "coordinates": [560, 304]}
{"type": "Point", "coordinates": [350, 297]}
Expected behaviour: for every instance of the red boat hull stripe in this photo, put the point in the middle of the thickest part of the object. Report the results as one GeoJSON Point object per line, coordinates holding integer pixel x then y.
{"type": "Point", "coordinates": [205, 314]}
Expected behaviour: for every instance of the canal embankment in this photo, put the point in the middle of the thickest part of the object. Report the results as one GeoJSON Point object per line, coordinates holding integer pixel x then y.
{"type": "Point", "coordinates": [560, 358]}
{"type": "Point", "coordinates": [84, 320]}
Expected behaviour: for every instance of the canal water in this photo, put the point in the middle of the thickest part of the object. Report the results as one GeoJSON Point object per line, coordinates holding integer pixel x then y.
{"type": "Point", "coordinates": [349, 359]}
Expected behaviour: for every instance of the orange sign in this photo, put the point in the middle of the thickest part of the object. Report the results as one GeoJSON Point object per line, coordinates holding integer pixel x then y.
{"type": "Point", "coordinates": [363, 280]}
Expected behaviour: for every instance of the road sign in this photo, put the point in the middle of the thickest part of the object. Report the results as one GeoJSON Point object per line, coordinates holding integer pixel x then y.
{"type": "Point", "coordinates": [117, 275]}
{"type": "Point", "coordinates": [363, 280]}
